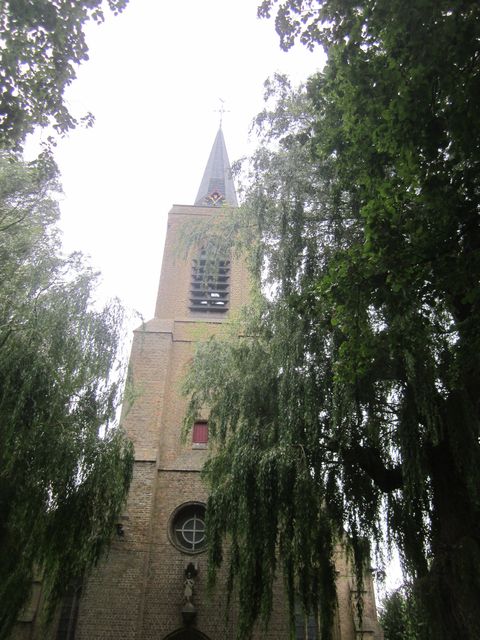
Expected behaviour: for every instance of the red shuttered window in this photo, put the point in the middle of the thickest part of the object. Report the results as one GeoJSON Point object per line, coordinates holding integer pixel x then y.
{"type": "Point", "coordinates": [200, 432]}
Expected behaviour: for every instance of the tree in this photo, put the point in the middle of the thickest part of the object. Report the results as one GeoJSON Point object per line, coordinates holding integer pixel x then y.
{"type": "Point", "coordinates": [353, 405]}
{"type": "Point", "coordinates": [400, 616]}
{"type": "Point", "coordinates": [42, 44]}
{"type": "Point", "coordinates": [64, 468]}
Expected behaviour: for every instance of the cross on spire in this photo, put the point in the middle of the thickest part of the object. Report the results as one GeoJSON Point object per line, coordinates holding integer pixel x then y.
{"type": "Point", "coordinates": [222, 110]}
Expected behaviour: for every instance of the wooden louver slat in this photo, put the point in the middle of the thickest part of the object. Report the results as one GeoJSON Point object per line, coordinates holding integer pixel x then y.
{"type": "Point", "coordinates": [209, 289]}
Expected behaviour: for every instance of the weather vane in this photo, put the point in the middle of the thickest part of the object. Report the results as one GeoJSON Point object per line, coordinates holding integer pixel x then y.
{"type": "Point", "coordinates": [222, 110]}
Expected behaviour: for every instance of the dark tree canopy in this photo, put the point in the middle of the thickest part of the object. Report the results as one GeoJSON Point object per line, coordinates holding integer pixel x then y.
{"type": "Point", "coordinates": [64, 468]}
{"type": "Point", "coordinates": [42, 45]}
{"type": "Point", "coordinates": [351, 404]}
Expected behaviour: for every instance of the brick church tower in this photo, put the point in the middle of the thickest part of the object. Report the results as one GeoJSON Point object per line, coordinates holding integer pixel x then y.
{"type": "Point", "coordinates": [153, 584]}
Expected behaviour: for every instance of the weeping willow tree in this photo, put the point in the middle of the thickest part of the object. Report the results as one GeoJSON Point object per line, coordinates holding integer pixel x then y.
{"type": "Point", "coordinates": [348, 410]}
{"type": "Point", "coordinates": [43, 43]}
{"type": "Point", "coordinates": [64, 468]}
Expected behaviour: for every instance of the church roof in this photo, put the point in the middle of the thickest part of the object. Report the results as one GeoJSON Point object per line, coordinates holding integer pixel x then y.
{"type": "Point", "coordinates": [217, 186]}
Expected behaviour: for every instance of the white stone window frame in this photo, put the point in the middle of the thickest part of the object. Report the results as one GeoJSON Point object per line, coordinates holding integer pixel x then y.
{"type": "Point", "coordinates": [193, 513]}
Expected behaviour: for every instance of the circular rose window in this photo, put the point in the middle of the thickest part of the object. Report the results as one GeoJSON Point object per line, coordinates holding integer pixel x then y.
{"type": "Point", "coordinates": [187, 529]}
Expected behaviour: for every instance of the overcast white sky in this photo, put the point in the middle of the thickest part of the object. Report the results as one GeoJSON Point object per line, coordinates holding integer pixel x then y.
{"type": "Point", "coordinates": [153, 82]}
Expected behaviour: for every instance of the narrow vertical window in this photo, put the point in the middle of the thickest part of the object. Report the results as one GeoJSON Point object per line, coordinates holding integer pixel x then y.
{"type": "Point", "coordinates": [306, 626]}
{"type": "Point", "coordinates": [200, 432]}
{"type": "Point", "coordinates": [67, 623]}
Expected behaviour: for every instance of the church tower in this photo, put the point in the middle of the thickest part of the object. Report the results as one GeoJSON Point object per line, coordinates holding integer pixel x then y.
{"type": "Point", "coordinates": [153, 584]}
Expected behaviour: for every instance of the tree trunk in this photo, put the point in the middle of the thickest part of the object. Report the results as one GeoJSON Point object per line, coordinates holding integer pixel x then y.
{"type": "Point", "coordinates": [451, 589]}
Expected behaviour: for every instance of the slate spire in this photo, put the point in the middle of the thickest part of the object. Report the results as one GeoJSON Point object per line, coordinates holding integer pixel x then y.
{"type": "Point", "coordinates": [217, 186]}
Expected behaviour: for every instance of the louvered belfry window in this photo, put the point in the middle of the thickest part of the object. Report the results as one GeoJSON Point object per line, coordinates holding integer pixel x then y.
{"type": "Point", "coordinates": [209, 291]}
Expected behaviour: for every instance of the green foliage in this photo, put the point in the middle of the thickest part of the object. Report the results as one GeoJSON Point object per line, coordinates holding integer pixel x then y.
{"type": "Point", "coordinates": [64, 469]}
{"type": "Point", "coordinates": [42, 44]}
{"type": "Point", "coordinates": [263, 493]}
{"type": "Point", "coordinates": [357, 388]}
{"type": "Point", "coordinates": [400, 616]}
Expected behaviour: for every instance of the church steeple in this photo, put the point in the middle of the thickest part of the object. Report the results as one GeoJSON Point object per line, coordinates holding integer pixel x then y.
{"type": "Point", "coordinates": [217, 186]}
